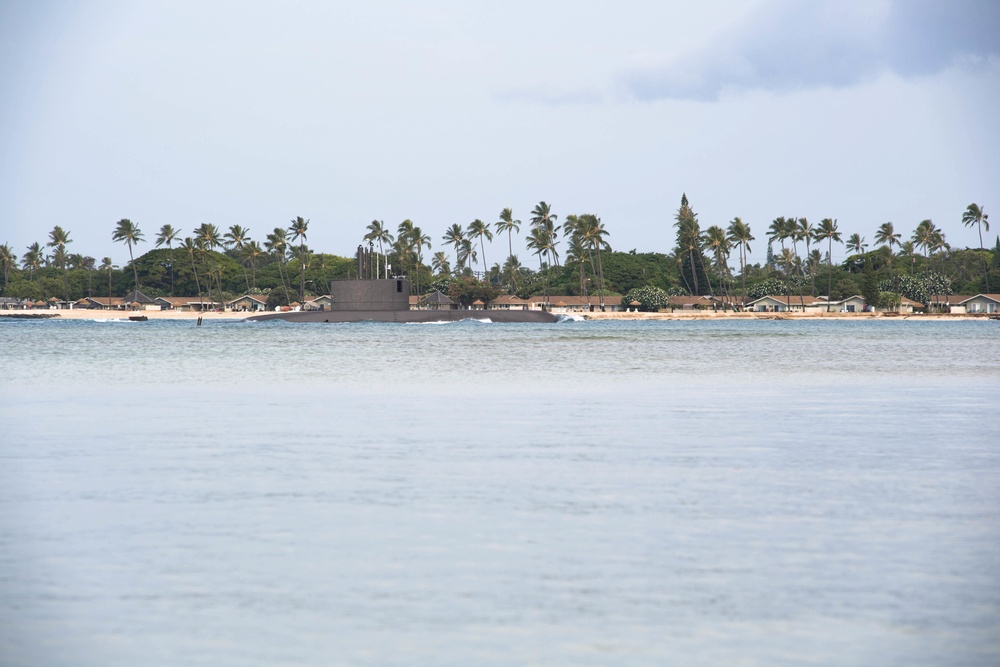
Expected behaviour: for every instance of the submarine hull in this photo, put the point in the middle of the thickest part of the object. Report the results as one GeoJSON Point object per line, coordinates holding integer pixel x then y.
{"type": "Point", "coordinates": [405, 316]}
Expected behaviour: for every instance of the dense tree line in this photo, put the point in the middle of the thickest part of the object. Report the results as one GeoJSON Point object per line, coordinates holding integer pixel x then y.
{"type": "Point", "coordinates": [573, 256]}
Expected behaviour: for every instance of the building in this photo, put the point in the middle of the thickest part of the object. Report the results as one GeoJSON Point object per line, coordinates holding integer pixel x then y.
{"type": "Point", "coordinates": [981, 303]}
{"type": "Point", "coordinates": [248, 303]}
{"type": "Point", "coordinates": [574, 304]}
{"type": "Point", "coordinates": [784, 304]}
{"type": "Point", "coordinates": [185, 303]}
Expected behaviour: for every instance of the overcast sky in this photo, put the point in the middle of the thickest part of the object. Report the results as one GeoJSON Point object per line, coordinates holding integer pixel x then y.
{"type": "Point", "coordinates": [253, 113]}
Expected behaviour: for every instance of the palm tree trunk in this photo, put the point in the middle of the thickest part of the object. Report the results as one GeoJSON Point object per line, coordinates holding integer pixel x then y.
{"type": "Point", "coordinates": [482, 247]}
{"type": "Point", "coordinates": [743, 272]}
{"type": "Point", "coordinates": [135, 272]}
{"type": "Point", "coordinates": [986, 269]}
{"type": "Point", "coordinates": [302, 263]}
{"type": "Point", "coordinates": [694, 274]}
{"type": "Point", "coordinates": [829, 282]}
{"type": "Point", "coordinates": [600, 270]}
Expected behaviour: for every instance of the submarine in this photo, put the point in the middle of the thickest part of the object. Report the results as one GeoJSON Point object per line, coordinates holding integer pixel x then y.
{"type": "Point", "coordinates": [387, 299]}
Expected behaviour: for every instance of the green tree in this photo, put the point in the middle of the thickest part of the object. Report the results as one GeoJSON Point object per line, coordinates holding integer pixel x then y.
{"type": "Point", "coordinates": [869, 286]}
{"type": "Point", "coordinates": [888, 236]}
{"type": "Point", "coordinates": [720, 246]}
{"type": "Point", "coordinates": [508, 224]}
{"type": "Point", "coordinates": [779, 230]}
{"type": "Point", "coordinates": [298, 229]}
{"type": "Point", "coordinates": [594, 233]}
{"type": "Point", "coordinates": [166, 236]}
{"type": "Point", "coordinates": [252, 252]}
{"type": "Point", "coordinates": [465, 290]}
{"type": "Point", "coordinates": [805, 232]}
{"type": "Point", "coordinates": [277, 245]}
{"type": "Point", "coordinates": [58, 240]}
{"type": "Point", "coordinates": [108, 265]}
{"type": "Point", "coordinates": [974, 215]}
{"type": "Point", "coordinates": [689, 244]}
{"type": "Point", "coordinates": [8, 259]}
{"type": "Point", "coordinates": [191, 247]}
{"type": "Point", "coordinates": [856, 243]}
{"type": "Point", "coordinates": [479, 229]}
{"type": "Point", "coordinates": [235, 240]}
{"type": "Point", "coordinates": [649, 297]}
{"type": "Point", "coordinates": [455, 236]}
{"type": "Point", "coordinates": [923, 236]}
{"type": "Point", "coordinates": [440, 263]}
{"type": "Point", "coordinates": [827, 229]}
{"type": "Point", "coordinates": [128, 232]}
{"type": "Point", "coordinates": [739, 233]}
{"type": "Point", "coordinates": [377, 232]}
{"type": "Point", "coordinates": [543, 218]}
{"type": "Point", "coordinates": [33, 260]}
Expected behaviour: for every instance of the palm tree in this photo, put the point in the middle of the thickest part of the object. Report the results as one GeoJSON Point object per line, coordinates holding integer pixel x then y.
{"type": "Point", "coordinates": [378, 232]}
{"type": "Point", "coordinates": [739, 232]}
{"type": "Point", "coordinates": [455, 236]}
{"type": "Point", "coordinates": [577, 252]}
{"type": "Point", "coordinates": [107, 265]}
{"type": "Point", "coordinates": [236, 240]}
{"type": "Point", "coordinates": [716, 239]}
{"type": "Point", "coordinates": [805, 233]}
{"type": "Point", "coordinates": [508, 224]}
{"type": "Point", "coordinates": [298, 230]}
{"type": "Point", "coordinates": [208, 238]}
{"type": "Point", "coordinates": [789, 261]}
{"type": "Point", "coordinates": [59, 239]}
{"type": "Point", "coordinates": [166, 236]}
{"type": "Point", "coordinates": [828, 230]}
{"type": "Point", "coordinates": [480, 229]}
{"type": "Point", "coordinates": [537, 241]}
{"type": "Point", "coordinates": [468, 253]}
{"type": "Point", "coordinates": [856, 243]}
{"type": "Point", "coordinates": [87, 263]}
{"type": "Point", "coordinates": [8, 258]}
{"type": "Point", "coordinates": [888, 236]}
{"type": "Point", "coordinates": [779, 230]}
{"type": "Point", "coordinates": [191, 248]}
{"type": "Point", "coordinates": [923, 235]}
{"type": "Point", "coordinates": [420, 241]}
{"type": "Point", "coordinates": [251, 253]}
{"type": "Point", "coordinates": [403, 247]}
{"type": "Point", "coordinates": [974, 215]}
{"type": "Point", "coordinates": [543, 217]}
{"type": "Point", "coordinates": [128, 232]}
{"type": "Point", "coordinates": [689, 241]}
{"type": "Point", "coordinates": [593, 235]}
{"type": "Point", "coordinates": [907, 248]}
{"type": "Point", "coordinates": [277, 244]}
{"type": "Point", "coordinates": [33, 259]}
{"type": "Point", "coordinates": [940, 246]}
{"type": "Point", "coordinates": [440, 263]}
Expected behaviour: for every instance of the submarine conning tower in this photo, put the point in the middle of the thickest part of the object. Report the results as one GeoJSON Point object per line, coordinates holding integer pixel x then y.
{"type": "Point", "coordinates": [383, 294]}
{"type": "Point", "coordinates": [368, 291]}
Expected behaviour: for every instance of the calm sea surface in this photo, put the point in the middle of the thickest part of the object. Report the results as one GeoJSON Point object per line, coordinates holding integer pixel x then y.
{"type": "Point", "coordinates": [613, 493]}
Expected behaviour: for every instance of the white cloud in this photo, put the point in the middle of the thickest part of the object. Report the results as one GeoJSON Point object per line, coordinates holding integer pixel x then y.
{"type": "Point", "coordinates": [793, 45]}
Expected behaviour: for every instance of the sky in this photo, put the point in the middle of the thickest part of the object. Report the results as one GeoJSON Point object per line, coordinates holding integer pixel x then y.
{"type": "Point", "coordinates": [441, 112]}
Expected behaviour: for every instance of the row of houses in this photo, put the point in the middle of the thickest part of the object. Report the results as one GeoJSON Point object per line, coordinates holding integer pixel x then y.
{"type": "Point", "coordinates": [953, 303]}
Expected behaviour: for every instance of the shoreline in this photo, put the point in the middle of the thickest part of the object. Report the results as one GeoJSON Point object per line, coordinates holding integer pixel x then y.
{"type": "Point", "coordinates": [81, 314]}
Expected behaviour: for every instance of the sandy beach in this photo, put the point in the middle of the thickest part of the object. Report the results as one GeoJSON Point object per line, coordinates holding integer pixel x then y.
{"type": "Point", "coordinates": [84, 314]}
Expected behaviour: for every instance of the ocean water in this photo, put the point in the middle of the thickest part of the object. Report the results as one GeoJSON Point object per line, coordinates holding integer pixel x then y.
{"type": "Point", "coordinates": [585, 493]}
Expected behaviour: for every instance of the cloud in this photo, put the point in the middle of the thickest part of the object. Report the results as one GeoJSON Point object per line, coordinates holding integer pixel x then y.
{"type": "Point", "coordinates": [798, 44]}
